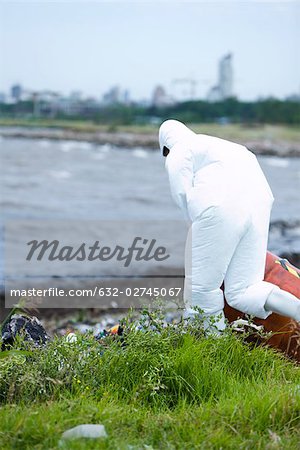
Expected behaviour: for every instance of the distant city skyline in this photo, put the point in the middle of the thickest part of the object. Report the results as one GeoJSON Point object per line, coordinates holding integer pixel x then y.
{"type": "Point", "coordinates": [93, 46]}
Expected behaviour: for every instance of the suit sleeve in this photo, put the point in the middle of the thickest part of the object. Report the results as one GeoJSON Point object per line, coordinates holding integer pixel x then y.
{"type": "Point", "coordinates": [179, 165]}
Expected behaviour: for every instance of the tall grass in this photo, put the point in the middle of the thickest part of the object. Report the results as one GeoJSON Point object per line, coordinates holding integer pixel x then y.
{"type": "Point", "coordinates": [168, 387]}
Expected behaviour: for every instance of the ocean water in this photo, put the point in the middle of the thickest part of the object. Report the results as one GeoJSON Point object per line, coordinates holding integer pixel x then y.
{"type": "Point", "coordinates": [54, 180]}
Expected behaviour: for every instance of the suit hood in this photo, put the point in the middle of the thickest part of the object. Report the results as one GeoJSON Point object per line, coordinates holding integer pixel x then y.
{"type": "Point", "coordinates": [171, 132]}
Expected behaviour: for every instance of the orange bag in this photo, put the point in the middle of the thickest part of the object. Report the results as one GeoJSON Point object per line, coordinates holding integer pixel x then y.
{"type": "Point", "coordinates": [286, 331]}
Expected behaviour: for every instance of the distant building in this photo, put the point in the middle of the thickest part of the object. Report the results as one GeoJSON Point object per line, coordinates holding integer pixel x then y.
{"type": "Point", "coordinates": [76, 96]}
{"type": "Point", "coordinates": [214, 94]}
{"type": "Point", "coordinates": [116, 95]}
{"type": "Point", "coordinates": [293, 98]}
{"type": "Point", "coordinates": [16, 92]}
{"type": "Point", "coordinates": [224, 88]}
{"type": "Point", "coordinates": [226, 76]}
{"type": "Point", "coordinates": [160, 97]}
{"type": "Point", "coordinates": [127, 97]}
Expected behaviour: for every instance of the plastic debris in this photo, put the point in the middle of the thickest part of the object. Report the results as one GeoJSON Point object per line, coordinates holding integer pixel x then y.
{"type": "Point", "coordinates": [242, 325]}
{"type": "Point", "coordinates": [91, 431]}
{"type": "Point", "coordinates": [70, 338]}
{"type": "Point", "coordinates": [30, 328]}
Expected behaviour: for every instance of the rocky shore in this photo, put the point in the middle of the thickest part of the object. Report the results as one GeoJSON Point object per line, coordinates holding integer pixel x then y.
{"type": "Point", "coordinates": [146, 140]}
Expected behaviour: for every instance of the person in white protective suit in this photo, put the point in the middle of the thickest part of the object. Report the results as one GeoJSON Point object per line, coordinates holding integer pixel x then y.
{"type": "Point", "coordinates": [223, 193]}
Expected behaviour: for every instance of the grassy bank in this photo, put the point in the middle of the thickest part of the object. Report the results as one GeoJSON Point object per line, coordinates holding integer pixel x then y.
{"type": "Point", "coordinates": [172, 389]}
{"type": "Point", "coordinates": [275, 133]}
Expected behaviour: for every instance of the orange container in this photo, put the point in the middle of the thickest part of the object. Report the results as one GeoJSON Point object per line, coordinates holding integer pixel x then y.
{"type": "Point", "coordinates": [286, 332]}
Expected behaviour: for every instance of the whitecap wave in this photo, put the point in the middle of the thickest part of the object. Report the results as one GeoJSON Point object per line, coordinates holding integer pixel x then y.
{"type": "Point", "coordinates": [278, 162]}
{"type": "Point", "coordinates": [67, 146]}
{"type": "Point", "coordinates": [105, 148]}
{"type": "Point", "coordinates": [139, 153]}
{"type": "Point", "coordinates": [60, 174]}
{"type": "Point", "coordinates": [83, 145]}
{"type": "Point", "coordinates": [44, 143]}
{"type": "Point", "coordinates": [99, 156]}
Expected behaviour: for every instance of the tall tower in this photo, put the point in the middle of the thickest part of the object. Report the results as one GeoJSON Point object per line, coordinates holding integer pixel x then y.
{"type": "Point", "coordinates": [226, 77]}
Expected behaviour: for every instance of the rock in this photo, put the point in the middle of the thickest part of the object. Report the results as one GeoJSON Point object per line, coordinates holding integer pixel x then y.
{"type": "Point", "coordinates": [85, 431]}
{"type": "Point", "coordinates": [21, 325]}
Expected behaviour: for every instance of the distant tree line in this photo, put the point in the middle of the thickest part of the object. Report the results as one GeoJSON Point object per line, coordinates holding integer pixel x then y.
{"type": "Point", "coordinates": [270, 110]}
{"type": "Point", "coordinates": [232, 110]}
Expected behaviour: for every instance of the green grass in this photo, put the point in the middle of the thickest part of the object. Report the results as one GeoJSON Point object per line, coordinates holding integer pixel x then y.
{"type": "Point", "coordinates": [238, 132]}
{"type": "Point", "coordinates": [88, 126]}
{"type": "Point", "coordinates": [272, 133]}
{"type": "Point", "coordinates": [172, 389]}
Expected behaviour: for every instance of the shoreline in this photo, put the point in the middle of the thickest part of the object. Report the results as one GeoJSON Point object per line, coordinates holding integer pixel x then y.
{"type": "Point", "coordinates": [280, 148]}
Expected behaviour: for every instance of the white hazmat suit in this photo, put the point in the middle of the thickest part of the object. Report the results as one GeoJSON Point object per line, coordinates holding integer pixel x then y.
{"type": "Point", "coordinates": [223, 192]}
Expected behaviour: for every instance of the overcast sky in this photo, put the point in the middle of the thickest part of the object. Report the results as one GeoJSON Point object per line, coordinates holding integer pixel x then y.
{"type": "Point", "coordinates": [90, 46]}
